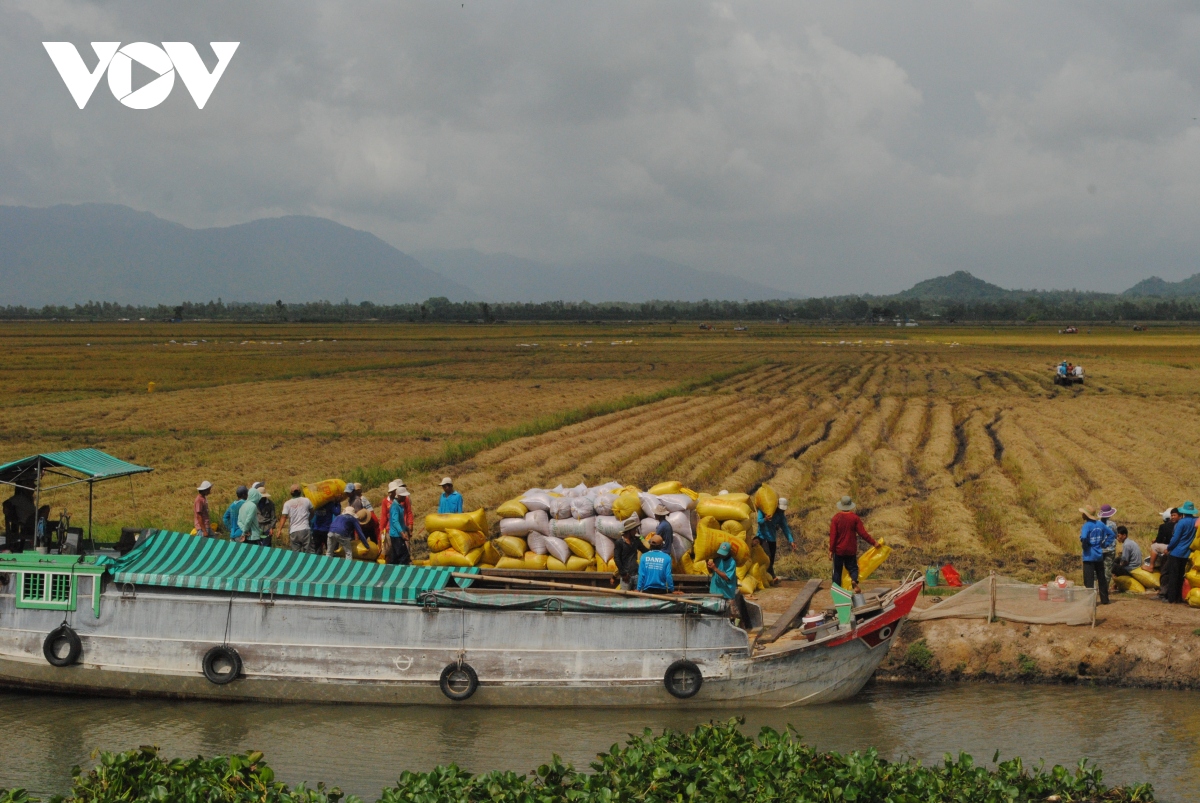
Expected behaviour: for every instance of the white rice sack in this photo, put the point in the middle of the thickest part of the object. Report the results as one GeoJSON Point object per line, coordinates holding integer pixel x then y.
{"type": "Point", "coordinates": [539, 521]}
{"type": "Point", "coordinates": [582, 508]}
{"type": "Point", "coordinates": [681, 524]}
{"type": "Point", "coordinates": [677, 502]}
{"type": "Point", "coordinates": [649, 503]}
{"type": "Point", "coordinates": [537, 544]}
{"type": "Point", "coordinates": [558, 489]}
{"type": "Point", "coordinates": [604, 547]}
{"type": "Point", "coordinates": [574, 528]}
{"type": "Point", "coordinates": [679, 546]}
{"type": "Point", "coordinates": [607, 488]}
{"type": "Point", "coordinates": [602, 504]}
{"type": "Point", "coordinates": [560, 507]}
{"type": "Point", "coordinates": [558, 548]}
{"type": "Point", "coordinates": [537, 501]}
{"type": "Point", "coordinates": [519, 527]}
{"type": "Point", "coordinates": [609, 526]}
{"type": "Point", "coordinates": [646, 526]}
{"type": "Point", "coordinates": [579, 490]}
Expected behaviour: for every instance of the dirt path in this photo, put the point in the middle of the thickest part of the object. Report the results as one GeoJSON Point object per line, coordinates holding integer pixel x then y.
{"type": "Point", "coordinates": [1137, 641]}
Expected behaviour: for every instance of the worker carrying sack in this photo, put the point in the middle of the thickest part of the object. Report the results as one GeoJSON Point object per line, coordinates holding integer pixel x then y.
{"type": "Point", "coordinates": [766, 500]}
{"type": "Point", "coordinates": [323, 492]}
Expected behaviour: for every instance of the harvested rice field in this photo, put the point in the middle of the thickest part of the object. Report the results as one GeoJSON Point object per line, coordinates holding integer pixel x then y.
{"type": "Point", "coordinates": [954, 442]}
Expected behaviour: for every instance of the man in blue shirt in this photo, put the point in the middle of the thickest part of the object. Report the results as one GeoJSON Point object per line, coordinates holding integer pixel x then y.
{"type": "Point", "coordinates": [322, 517]}
{"type": "Point", "coordinates": [654, 570]}
{"type": "Point", "coordinates": [451, 501]}
{"type": "Point", "coordinates": [1092, 535]}
{"type": "Point", "coordinates": [344, 529]}
{"type": "Point", "coordinates": [769, 529]}
{"type": "Point", "coordinates": [230, 518]}
{"type": "Point", "coordinates": [1178, 552]}
{"type": "Point", "coordinates": [398, 534]}
{"type": "Point", "coordinates": [723, 572]}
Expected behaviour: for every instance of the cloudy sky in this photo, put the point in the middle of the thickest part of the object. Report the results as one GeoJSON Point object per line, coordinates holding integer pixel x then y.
{"type": "Point", "coordinates": [820, 147]}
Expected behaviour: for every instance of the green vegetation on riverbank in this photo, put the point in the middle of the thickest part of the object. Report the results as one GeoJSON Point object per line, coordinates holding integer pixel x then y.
{"type": "Point", "coordinates": [712, 763]}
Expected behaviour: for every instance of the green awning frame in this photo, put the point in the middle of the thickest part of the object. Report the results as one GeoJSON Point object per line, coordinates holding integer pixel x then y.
{"type": "Point", "coordinates": [176, 560]}
{"type": "Point", "coordinates": [93, 464]}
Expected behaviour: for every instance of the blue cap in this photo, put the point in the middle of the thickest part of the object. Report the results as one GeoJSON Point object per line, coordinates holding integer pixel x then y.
{"type": "Point", "coordinates": [724, 549]}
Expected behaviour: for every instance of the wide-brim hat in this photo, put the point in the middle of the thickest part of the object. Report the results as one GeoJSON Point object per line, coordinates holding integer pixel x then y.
{"type": "Point", "coordinates": [1187, 509]}
{"type": "Point", "coordinates": [363, 516]}
{"type": "Point", "coordinates": [1090, 513]}
{"type": "Point", "coordinates": [402, 491]}
{"type": "Point", "coordinates": [1107, 511]}
{"type": "Point", "coordinates": [630, 524]}
{"type": "Point", "coordinates": [660, 510]}
{"type": "Point", "coordinates": [393, 485]}
{"type": "Point", "coordinates": [846, 503]}
{"type": "Point", "coordinates": [264, 493]}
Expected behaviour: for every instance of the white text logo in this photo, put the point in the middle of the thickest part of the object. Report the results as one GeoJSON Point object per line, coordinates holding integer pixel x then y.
{"type": "Point", "coordinates": [165, 61]}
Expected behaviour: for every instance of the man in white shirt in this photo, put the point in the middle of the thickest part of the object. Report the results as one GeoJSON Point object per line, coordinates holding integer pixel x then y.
{"type": "Point", "coordinates": [297, 512]}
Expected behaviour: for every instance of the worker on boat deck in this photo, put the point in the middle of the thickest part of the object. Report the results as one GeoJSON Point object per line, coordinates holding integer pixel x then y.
{"type": "Point", "coordinates": [400, 528]}
{"type": "Point", "coordinates": [1158, 550]}
{"type": "Point", "coordinates": [268, 516]}
{"type": "Point", "coordinates": [663, 529]}
{"type": "Point", "coordinates": [451, 501]}
{"type": "Point", "coordinates": [200, 516]}
{"type": "Point", "coordinates": [344, 529]}
{"type": "Point", "coordinates": [322, 518]}
{"type": "Point", "coordinates": [769, 528]}
{"type": "Point", "coordinates": [20, 516]}
{"type": "Point", "coordinates": [230, 518]}
{"type": "Point", "coordinates": [1092, 535]}
{"type": "Point", "coordinates": [1130, 557]}
{"type": "Point", "coordinates": [1178, 552]}
{"type": "Point", "coordinates": [248, 521]}
{"type": "Point", "coordinates": [297, 516]}
{"type": "Point", "coordinates": [654, 570]}
{"type": "Point", "coordinates": [844, 531]}
{"type": "Point", "coordinates": [626, 552]}
{"type": "Point", "coordinates": [723, 572]}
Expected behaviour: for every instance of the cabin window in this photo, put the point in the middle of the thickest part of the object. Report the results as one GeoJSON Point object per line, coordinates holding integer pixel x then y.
{"type": "Point", "coordinates": [47, 590]}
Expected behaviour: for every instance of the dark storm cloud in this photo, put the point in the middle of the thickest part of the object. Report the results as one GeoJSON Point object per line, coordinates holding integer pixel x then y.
{"type": "Point", "coordinates": [818, 147]}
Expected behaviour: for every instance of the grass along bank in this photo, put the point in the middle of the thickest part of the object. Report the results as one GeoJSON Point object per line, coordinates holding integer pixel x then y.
{"type": "Point", "coordinates": [714, 763]}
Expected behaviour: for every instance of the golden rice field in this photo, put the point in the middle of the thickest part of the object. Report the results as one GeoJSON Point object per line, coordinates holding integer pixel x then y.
{"type": "Point", "coordinates": [954, 442]}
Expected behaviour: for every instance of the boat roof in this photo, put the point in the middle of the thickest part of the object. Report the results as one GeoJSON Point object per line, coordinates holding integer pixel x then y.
{"type": "Point", "coordinates": [172, 559]}
{"type": "Point", "coordinates": [93, 464]}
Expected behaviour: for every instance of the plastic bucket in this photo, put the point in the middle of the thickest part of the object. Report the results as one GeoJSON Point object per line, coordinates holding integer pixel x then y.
{"type": "Point", "coordinates": [931, 577]}
{"type": "Point", "coordinates": [1043, 593]}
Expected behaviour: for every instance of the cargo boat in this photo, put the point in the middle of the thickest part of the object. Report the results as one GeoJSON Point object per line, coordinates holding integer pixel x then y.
{"type": "Point", "coordinates": [196, 618]}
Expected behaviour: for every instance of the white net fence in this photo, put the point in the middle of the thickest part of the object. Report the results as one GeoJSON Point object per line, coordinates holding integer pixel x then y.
{"type": "Point", "coordinates": [1004, 598]}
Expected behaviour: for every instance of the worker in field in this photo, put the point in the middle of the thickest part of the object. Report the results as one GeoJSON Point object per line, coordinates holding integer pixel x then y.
{"type": "Point", "coordinates": [268, 517]}
{"type": "Point", "coordinates": [369, 524]}
{"type": "Point", "coordinates": [1109, 549]}
{"type": "Point", "coordinates": [626, 552]}
{"type": "Point", "coordinates": [248, 521]}
{"type": "Point", "coordinates": [399, 536]}
{"type": "Point", "coordinates": [1158, 550]}
{"type": "Point", "coordinates": [321, 521]}
{"type": "Point", "coordinates": [354, 498]}
{"type": "Point", "coordinates": [200, 517]}
{"type": "Point", "coordinates": [1092, 535]}
{"type": "Point", "coordinates": [297, 517]}
{"type": "Point", "coordinates": [451, 501]}
{"type": "Point", "coordinates": [722, 572]}
{"type": "Point", "coordinates": [1178, 552]}
{"type": "Point", "coordinates": [771, 527]}
{"type": "Point", "coordinates": [1130, 556]}
{"type": "Point", "coordinates": [845, 528]}
{"type": "Point", "coordinates": [654, 570]}
{"type": "Point", "coordinates": [230, 517]}
{"type": "Point", "coordinates": [342, 532]}
{"type": "Point", "coordinates": [663, 529]}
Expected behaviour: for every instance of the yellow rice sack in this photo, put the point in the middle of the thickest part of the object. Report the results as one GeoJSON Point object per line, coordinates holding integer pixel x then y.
{"type": "Point", "coordinates": [693, 566]}
{"type": "Point", "coordinates": [626, 505]}
{"type": "Point", "coordinates": [491, 554]}
{"type": "Point", "coordinates": [612, 564]}
{"type": "Point", "coordinates": [735, 496]}
{"type": "Point", "coordinates": [759, 555]}
{"type": "Point", "coordinates": [868, 562]}
{"type": "Point", "coordinates": [449, 557]}
{"type": "Point", "coordinates": [578, 564]}
{"type": "Point", "coordinates": [690, 493]}
{"type": "Point", "coordinates": [1145, 578]}
{"type": "Point", "coordinates": [475, 556]}
{"type": "Point", "coordinates": [506, 562]}
{"type": "Point", "coordinates": [364, 552]}
{"type": "Point", "coordinates": [1194, 598]}
{"type": "Point", "coordinates": [668, 487]}
{"type": "Point", "coordinates": [723, 509]}
{"type": "Point", "coordinates": [1126, 583]}
{"type": "Point", "coordinates": [1193, 577]}
{"type": "Point", "coordinates": [323, 492]}
{"type": "Point", "coordinates": [709, 538]}
{"type": "Point", "coordinates": [424, 562]}
{"type": "Point", "coordinates": [760, 574]}
{"type": "Point", "coordinates": [464, 542]}
{"type": "Point", "coordinates": [748, 586]}
{"type": "Point", "coordinates": [512, 546]}
{"type": "Point", "coordinates": [601, 564]}
{"type": "Point", "coordinates": [473, 522]}
{"type": "Point", "coordinates": [734, 527]}
{"type": "Point", "coordinates": [766, 500]}
{"type": "Point", "coordinates": [535, 561]}
{"type": "Point", "coordinates": [512, 509]}
{"type": "Point", "coordinates": [743, 571]}
{"type": "Point", "coordinates": [553, 564]}
{"type": "Point", "coordinates": [438, 541]}
{"type": "Point", "coordinates": [581, 548]}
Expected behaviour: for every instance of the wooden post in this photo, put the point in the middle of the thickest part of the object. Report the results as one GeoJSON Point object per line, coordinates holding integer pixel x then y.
{"type": "Point", "coordinates": [992, 598]}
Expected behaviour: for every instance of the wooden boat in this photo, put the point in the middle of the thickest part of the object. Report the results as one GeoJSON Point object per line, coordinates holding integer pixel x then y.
{"type": "Point", "coordinates": [187, 617]}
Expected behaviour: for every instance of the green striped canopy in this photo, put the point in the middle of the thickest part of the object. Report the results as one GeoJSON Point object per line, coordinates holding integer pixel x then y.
{"type": "Point", "coordinates": [173, 559]}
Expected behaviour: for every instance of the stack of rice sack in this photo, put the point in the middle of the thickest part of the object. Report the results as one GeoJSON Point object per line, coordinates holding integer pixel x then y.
{"type": "Point", "coordinates": [459, 539]}
{"type": "Point", "coordinates": [564, 529]}
{"type": "Point", "coordinates": [1193, 575]}
{"type": "Point", "coordinates": [729, 518]}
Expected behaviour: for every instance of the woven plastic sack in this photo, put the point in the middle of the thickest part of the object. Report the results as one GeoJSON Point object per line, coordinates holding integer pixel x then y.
{"type": "Point", "coordinates": [558, 548]}
{"type": "Point", "coordinates": [438, 541]}
{"type": "Point", "coordinates": [868, 562]}
{"type": "Point", "coordinates": [1126, 583]}
{"type": "Point", "coordinates": [766, 500]}
{"type": "Point", "coordinates": [668, 487]}
{"type": "Point", "coordinates": [513, 509]}
{"type": "Point", "coordinates": [603, 504]}
{"type": "Point", "coordinates": [507, 562]}
{"type": "Point", "coordinates": [323, 492]}
{"type": "Point", "coordinates": [560, 508]}
{"type": "Point", "coordinates": [1193, 598]}
{"type": "Point", "coordinates": [650, 503]}
{"type": "Point", "coordinates": [681, 524]}
{"type": "Point", "coordinates": [626, 505]}
{"type": "Point", "coordinates": [491, 554]}
{"type": "Point", "coordinates": [610, 526]}
{"type": "Point", "coordinates": [604, 547]}
{"type": "Point", "coordinates": [516, 527]}
{"type": "Point", "coordinates": [475, 521]}
{"type": "Point", "coordinates": [723, 509]}
{"type": "Point", "coordinates": [607, 488]}
{"type": "Point", "coordinates": [582, 508]}
{"type": "Point", "coordinates": [734, 527]}
{"type": "Point", "coordinates": [539, 521]}
{"type": "Point", "coordinates": [465, 542]}
{"type": "Point", "coordinates": [512, 546]}
{"type": "Point", "coordinates": [709, 538]}
{"type": "Point", "coordinates": [580, 547]}
{"type": "Point", "coordinates": [1145, 578]}
{"type": "Point", "coordinates": [539, 500]}
{"type": "Point", "coordinates": [553, 564]}
{"type": "Point", "coordinates": [537, 544]}
{"type": "Point", "coordinates": [579, 490]}
{"type": "Point", "coordinates": [449, 557]}
{"type": "Point", "coordinates": [534, 560]}
{"type": "Point", "coordinates": [647, 526]}
{"type": "Point", "coordinates": [584, 529]}
{"type": "Point", "coordinates": [677, 502]}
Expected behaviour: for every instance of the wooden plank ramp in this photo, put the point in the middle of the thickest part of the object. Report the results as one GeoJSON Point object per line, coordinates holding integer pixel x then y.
{"type": "Point", "coordinates": [796, 610]}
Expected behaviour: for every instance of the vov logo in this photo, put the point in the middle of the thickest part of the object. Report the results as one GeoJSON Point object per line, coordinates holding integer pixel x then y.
{"type": "Point", "coordinates": [165, 61]}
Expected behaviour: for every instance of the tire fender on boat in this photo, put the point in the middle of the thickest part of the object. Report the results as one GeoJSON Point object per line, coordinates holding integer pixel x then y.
{"type": "Point", "coordinates": [54, 642]}
{"type": "Point", "coordinates": [221, 664]}
{"type": "Point", "coordinates": [683, 679]}
{"type": "Point", "coordinates": [458, 681]}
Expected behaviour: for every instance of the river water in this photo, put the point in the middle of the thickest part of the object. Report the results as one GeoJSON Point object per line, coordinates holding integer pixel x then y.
{"type": "Point", "coordinates": [1133, 734]}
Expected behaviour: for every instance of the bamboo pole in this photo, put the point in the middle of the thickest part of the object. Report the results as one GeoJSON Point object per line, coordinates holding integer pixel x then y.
{"type": "Point", "coordinates": [572, 587]}
{"type": "Point", "coordinates": [992, 599]}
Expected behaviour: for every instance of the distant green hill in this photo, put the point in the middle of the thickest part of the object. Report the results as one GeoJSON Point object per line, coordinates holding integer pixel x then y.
{"type": "Point", "coordinates": [1155, 286]}
{"type": "Point", "coordinates": [958, 286]}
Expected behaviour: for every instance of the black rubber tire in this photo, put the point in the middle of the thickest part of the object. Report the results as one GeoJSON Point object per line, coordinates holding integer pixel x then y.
{"type": "Point", "coordinates": [57, 637]}
{"type": "Point", "coordinates": [221, 655]}
{"type": "Point", "coordinates": [452, 681]}
{"type": "Point", "coordinates": [683, 679]}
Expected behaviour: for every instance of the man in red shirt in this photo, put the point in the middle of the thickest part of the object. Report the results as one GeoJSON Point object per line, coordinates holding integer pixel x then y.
{"type": "Point", "coordinates": [844, 531]}
{"type": "Point", "coordinates": [200, 516]}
